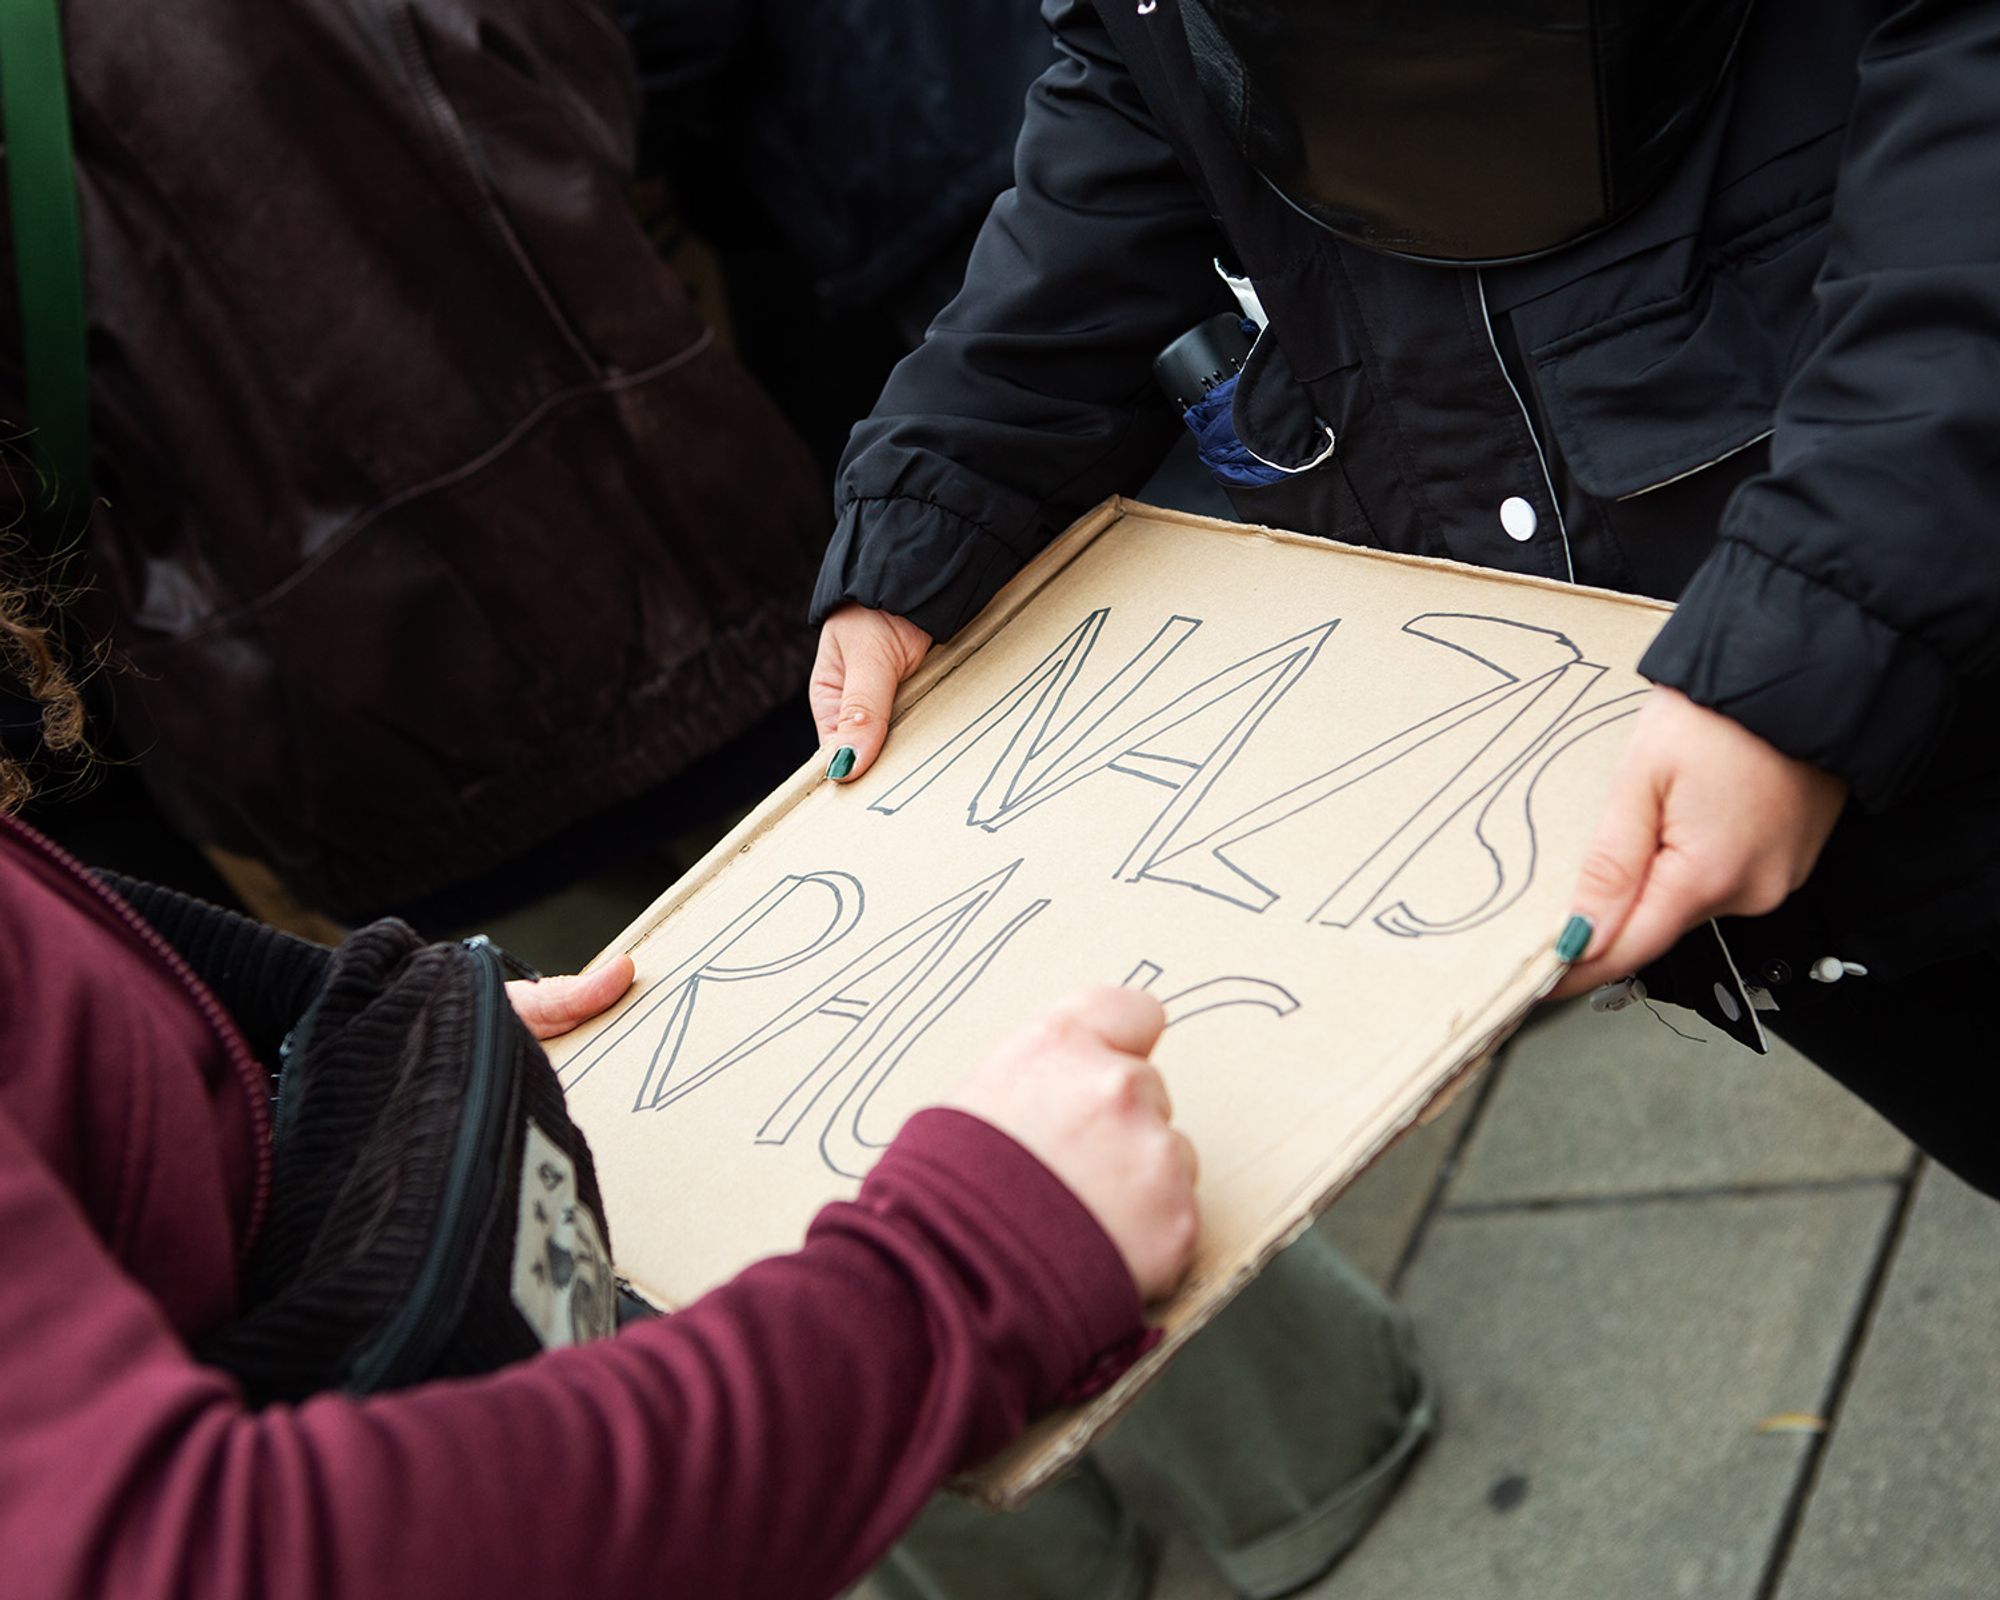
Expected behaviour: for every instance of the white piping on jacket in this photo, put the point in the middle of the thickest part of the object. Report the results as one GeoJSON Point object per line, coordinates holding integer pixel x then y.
{"type": "Point", "coordinates": [1253, 309]}
{"type": "Point", "coordinates": [1317, 460]}
{"type": "Point", "coordinates": [1479, 277]}
{"type": "Point", "coordinates": [1733, 450]}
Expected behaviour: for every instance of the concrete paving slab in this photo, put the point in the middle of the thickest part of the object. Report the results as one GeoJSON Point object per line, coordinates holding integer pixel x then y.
{"type": "Point", "coordinates": [1603, 1370]}
{"type": "Point", "coordinates": [1595, 1104]}
{"type": "Point", "coordinates": [1904, 1508]}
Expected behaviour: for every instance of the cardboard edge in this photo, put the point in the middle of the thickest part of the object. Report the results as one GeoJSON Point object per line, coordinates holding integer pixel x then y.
{"type": "Point", "coordinates": [943, 661]}
{"type": "Point", "coordinates": [1030, 581]}
{"type": "Point", "coordinates": [937, 666]}
{"type": "Point", "coordinates": [1397, 558]}
{"type": "Point", "coordinates": [1051, 1445]}
{"type": "Point", "coordinates": [776, 806]}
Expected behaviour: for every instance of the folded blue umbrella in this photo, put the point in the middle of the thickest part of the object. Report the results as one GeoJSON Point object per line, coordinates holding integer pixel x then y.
{"type": "Point", "coordinates": [1225, 455]}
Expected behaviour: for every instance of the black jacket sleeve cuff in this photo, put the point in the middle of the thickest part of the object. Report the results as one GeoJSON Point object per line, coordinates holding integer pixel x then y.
{"type": "Point", "coordinates": [913, 558]}
{"type": "Point", "coordinates": [1807, 668]}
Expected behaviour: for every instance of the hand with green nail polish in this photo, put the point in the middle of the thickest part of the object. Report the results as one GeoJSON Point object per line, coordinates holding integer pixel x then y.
{"type": "Point", "coordinates": [863, 656]}
{"type": "Point", "coordinates": [1704, 820]}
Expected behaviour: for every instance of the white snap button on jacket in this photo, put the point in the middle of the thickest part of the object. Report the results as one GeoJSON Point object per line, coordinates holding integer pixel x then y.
{"type": "Point", "coordinates": [1518, 518]}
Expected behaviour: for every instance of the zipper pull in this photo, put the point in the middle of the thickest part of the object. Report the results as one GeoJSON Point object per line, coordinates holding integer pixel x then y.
{"type": "Point", "coordinates": [510, 963]}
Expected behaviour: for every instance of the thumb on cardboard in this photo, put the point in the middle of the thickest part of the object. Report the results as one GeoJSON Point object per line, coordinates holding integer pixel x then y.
{"type": "Point", "coordinates": [863, 656]}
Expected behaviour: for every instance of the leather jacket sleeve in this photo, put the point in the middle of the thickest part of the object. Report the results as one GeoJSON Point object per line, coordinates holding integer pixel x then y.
{"type": "Point", "coordinates": [1854, 596]}
{"type": "Point", "coordinates": [1032, 397]}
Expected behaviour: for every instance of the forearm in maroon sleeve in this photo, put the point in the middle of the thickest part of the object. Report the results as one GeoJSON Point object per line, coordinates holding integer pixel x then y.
{"type": "Point", "coordinates": [769, 1441]}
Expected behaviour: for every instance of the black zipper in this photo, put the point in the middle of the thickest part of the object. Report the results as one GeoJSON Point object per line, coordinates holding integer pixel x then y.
{"type": "Point", "coordinates": [408, 1345]}
{"type": "Point", "coordinates": [293, 1047]}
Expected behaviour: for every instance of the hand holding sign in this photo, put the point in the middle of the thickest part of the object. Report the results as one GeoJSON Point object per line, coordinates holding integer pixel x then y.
{"type": "Point", "coordinates": [863, 656]}
{"type": "Point", "coordinates": [1075, 1087]}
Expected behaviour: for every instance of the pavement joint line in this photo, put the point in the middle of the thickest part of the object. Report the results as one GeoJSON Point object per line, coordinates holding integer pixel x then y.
{"type": "Point", "coordinates": [1447, 1170]}
{"type": "Point", "coordinates": [1714, 1191]}
{"type": "Point", "coordinates": [1792, 1519]}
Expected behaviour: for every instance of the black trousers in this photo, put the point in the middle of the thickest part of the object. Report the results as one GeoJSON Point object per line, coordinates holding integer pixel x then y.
{"type": "Point", "coordinates": [1924, 1051]}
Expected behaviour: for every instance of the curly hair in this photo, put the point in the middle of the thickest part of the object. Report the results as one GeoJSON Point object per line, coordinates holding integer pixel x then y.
{"type": "Point", "coordinates": [32, 659]}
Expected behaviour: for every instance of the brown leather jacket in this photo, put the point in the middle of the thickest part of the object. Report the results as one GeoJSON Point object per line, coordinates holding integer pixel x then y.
{"type": "Point", "coordinates": [431, 516]}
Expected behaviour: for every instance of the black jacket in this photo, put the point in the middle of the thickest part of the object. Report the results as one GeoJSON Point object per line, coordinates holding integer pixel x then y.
{"type": "Point", "coordinates": [1775, 391]}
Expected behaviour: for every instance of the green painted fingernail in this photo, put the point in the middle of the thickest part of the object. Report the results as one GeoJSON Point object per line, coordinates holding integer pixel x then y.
{"type": "Point", "coordinates": [842, 763]}
{"type": "Point", "coordinates": [1575, 938]}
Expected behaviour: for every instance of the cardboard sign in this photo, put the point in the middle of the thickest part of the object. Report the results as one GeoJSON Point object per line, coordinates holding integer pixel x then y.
{"type": "Point", "coordinates": [1327, 804]}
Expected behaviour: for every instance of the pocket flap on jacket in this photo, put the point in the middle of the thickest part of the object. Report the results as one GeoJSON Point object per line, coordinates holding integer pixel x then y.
{"type": "Point", "coordinates": [1273, 412]}
{"type": "Point", "coordinates": [1666, 388]}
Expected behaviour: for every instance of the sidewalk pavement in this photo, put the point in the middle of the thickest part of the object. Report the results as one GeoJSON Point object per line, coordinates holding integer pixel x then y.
{"type": "Point", "coordinates": [1704, 1325]}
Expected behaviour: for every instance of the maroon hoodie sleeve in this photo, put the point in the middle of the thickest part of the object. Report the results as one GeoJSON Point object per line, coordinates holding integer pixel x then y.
{"type": "Point", "coordinates": [769, 1441]}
